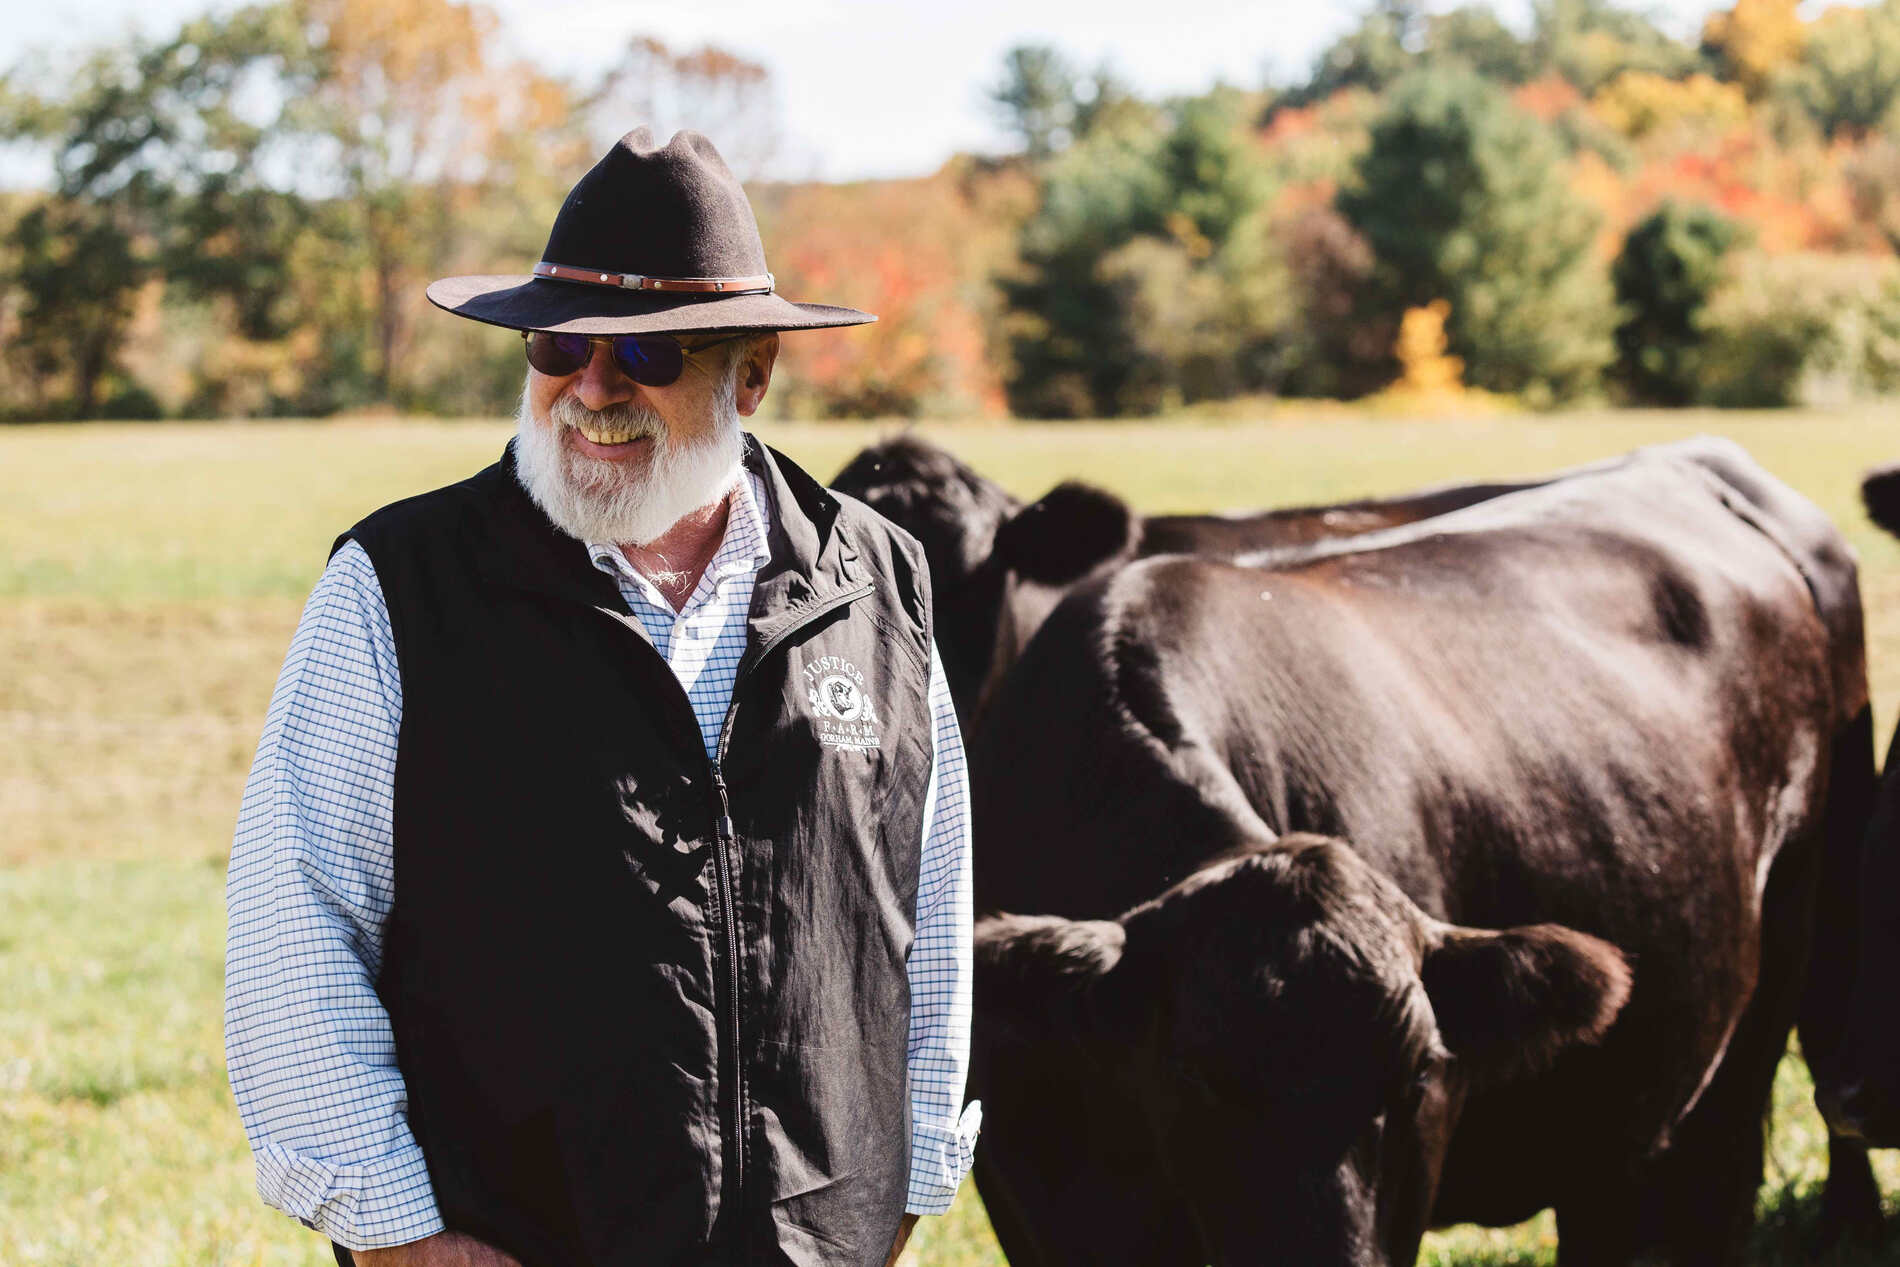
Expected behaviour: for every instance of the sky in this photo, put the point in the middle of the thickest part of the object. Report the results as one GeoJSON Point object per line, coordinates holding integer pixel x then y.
{"type": "Point", "coordinates": [869, 88]}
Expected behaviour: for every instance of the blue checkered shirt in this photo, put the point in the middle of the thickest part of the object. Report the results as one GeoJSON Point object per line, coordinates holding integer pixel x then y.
{"type": "Point", "coordinates": [311, 1055]}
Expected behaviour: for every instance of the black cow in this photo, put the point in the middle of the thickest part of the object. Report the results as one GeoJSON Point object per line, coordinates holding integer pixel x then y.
{"type": "Point", "coordinates": [1616, 704]}
{"type": "Point", "coordinates": [1284, 1018]}
{"type": "Point", "coordinates": [998, 567]}
{"type": "Point", "coordinates": [1860, 1091]}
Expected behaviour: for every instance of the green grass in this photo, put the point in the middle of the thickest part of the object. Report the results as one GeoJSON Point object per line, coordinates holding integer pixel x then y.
{"type": "Point", "coordinates": [149, 580]}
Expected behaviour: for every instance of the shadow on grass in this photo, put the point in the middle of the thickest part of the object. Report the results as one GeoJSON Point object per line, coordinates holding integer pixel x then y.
{"type": "Point", "coordinates": [1787, 1234]}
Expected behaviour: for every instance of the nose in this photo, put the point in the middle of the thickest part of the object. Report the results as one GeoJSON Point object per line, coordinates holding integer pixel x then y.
{"type": "Point", "coordinates": [601, 383]}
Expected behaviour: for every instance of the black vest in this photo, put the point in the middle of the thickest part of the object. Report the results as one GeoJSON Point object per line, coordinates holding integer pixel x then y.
{"type": "Point", "coordinates": [649, 1008]}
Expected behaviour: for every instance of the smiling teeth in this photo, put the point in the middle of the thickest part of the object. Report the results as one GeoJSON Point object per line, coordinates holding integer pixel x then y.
{"type": "Point", "coordinates": [609, 435]}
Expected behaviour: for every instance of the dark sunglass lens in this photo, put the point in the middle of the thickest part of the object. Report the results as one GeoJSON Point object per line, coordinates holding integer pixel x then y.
{"type": "Point", "coordinates": [557, 355]}
{"type": "Point", "coordinates": [647, 360]}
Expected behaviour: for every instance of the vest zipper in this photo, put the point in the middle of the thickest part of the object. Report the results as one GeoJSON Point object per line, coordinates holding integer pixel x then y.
{"type": "Point", "coordinates": [729, 907]}
{"type": "Point", "coordinates": [729, 920]}
{"type": "Point", "coordinates": [738, 1131]}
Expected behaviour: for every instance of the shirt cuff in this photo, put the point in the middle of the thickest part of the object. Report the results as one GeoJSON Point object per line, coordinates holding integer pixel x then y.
{"type": "Point", "coordinates": [940, 1155]}
{"type": "Point", "coordinates": [390, 1202]}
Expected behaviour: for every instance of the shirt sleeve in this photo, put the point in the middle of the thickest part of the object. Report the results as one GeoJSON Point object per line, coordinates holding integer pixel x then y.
{"type": "Point", "coordinates": [309, 1047]}
{"type": "Point", "coordinates": [943, 1131]}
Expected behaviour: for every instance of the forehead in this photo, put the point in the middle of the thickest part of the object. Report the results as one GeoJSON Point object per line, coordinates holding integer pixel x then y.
{"type": "Point", "coordinates": [1304, 947]}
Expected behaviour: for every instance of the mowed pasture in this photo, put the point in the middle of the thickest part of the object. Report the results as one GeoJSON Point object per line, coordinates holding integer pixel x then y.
{"type": "Point", "coordinates": [150, 577]}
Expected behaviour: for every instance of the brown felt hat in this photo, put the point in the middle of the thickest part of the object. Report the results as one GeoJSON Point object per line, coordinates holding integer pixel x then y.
{"type": "Point", "coordinates": [652, 240]}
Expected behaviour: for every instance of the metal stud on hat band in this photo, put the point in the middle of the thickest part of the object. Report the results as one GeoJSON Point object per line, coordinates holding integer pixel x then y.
{"type": "Point", "coordinates": [760, 284]}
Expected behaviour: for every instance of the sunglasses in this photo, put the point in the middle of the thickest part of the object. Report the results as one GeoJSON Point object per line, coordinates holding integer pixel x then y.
{"type": "Point", "coordinates": [652, 360]}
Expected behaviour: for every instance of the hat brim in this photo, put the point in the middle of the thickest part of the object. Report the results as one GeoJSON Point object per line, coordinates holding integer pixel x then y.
{"type": "Point", "coordinates": [540, 303]}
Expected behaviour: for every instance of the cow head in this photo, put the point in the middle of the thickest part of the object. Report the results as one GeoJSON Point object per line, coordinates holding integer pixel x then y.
{"type": "Point", "coordinates": [1298, 1038]}
{"type": "Point", "coordinates": [997, 567]}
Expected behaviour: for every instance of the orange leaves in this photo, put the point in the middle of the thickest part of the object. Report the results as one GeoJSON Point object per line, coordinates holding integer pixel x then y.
{"type": "Point", "coordinates": [1791, 197]}
{"type": "Point", "coordinates": [918, 253]}
{"type": "Point", "coordinates": [400, 49]}
{"type": "Point", "coordinates": [1546, 97]}
{"type": "Point", "coordinates": [1750, 179]}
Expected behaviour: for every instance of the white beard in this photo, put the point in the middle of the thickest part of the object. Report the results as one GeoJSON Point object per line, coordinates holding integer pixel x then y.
{"type": "Point", "coordinates": [597, 500]}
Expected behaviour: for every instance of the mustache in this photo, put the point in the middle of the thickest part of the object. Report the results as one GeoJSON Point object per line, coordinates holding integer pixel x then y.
{"type": "Point", "coordinates": [567, 411]}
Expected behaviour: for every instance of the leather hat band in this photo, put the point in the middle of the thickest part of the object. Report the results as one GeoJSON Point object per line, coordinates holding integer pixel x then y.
{"type": "Point", "coordinates": [759, 285]}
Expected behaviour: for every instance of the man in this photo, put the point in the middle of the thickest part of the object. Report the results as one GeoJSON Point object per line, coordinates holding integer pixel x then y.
{"type": "Point", "coordinates": [601, 890]}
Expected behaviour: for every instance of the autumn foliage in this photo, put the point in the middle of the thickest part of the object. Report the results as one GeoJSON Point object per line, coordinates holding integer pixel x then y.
{"type": "Point", "coordinates": [210, 246]}
{"type": "Point", "coordinates": [919, 255]}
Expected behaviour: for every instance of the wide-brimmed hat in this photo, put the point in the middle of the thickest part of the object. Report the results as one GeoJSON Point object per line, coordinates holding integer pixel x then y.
{"type": "Point", "coordinates": [652, 240]}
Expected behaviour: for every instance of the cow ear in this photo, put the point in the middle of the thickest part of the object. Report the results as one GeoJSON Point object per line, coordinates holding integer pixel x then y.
{"type": "Point", "coordinates": [1071, 531]}
{"type": "Point", "coordinates": [1510, 1001]}
{"type": "Point", "coordinates": [1032, 971]}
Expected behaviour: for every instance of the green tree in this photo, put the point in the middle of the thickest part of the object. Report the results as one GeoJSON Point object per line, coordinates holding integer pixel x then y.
{"type": "Point", "coordinates": [1036, 98]}
{"type": "Point", "coordinates": [1473, 35]}
{"type": "Point", "coordinates": [79, 272]}
{"type": "Point", "coordinates": [1873, 181]}
{"type": "Point", "coordinates": [1669, 267]}
{"type": "Point", "coordinates": [1069, 349]}
{"type": "Point", "coordinates": [157, 150]}
{"type": "Point", "coordinates": [1590, 42]}
{"type": "Point", "coordinates": [1104, 99]}
{"type": "Point", "coordinates": [402, 111]}
{"type": "Point", "coordinates": [1371, 55]}
{"type": "Point", "coordinates": [1848, 76]}
{"type": "Point", "coordinates": [1147, 229]}
{"type": "Point", "coordinates": [1462, 197]}
{"type": "Point", "coordinates": [1050, 105]}
{"type": "Point", "coordinates": [1802, 329]}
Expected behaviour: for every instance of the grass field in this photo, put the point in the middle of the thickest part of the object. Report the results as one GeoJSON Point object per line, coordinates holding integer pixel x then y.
{"type": "Point", "coordinates": [149, 580]}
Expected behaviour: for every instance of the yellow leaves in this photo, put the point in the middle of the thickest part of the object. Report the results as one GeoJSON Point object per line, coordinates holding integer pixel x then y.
{"type": "Point", "coordinates": [1638, 103]}
{"type": "Point", "coordinates": [403, 42]}
{"type": "Point", "coordinates": [1431, 384]}
{"type": "Point", "coordinates": [717, 65]}
{"type": "Point", "coordinates": [1420, 349]}
{"type": "Point", "coordinates": [1755, 39]}
{"type": "Point", "coordinates": [1187, 235]}
{"type": "Point", "coordinates": [408, 86]}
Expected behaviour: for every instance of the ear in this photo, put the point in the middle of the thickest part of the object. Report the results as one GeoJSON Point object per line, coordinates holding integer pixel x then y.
{"type": "Point", "coordinates": [1880, 494]}
{"type": "Point", "coordinates": [754, 374]}
{"type": "Point", "coordinates": [1068, 534]}
{"type": "Point", "coordinates": [1032, 970]}
{"type": "Point", "coordinates": [1511, 1001]}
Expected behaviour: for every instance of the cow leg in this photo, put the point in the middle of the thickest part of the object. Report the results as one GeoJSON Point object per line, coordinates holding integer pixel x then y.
{"type": "Point", "coordinates": [1707, 1200]}
{"type": "Point", "coordinates": [1693, 1207]}
{"type": "Point", "coordinates": [1850, 1205]}
{"type": "Point", "coordinates": [1712, 1173]}
{"type": "Point", "coordinates": [1601, 1227]}
{"type": "Point", "coordinates": [1850, 1208]}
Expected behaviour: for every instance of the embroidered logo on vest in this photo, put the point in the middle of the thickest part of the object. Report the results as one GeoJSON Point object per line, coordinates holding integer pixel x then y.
{"type": "Point", "coordinates": [846, 717]}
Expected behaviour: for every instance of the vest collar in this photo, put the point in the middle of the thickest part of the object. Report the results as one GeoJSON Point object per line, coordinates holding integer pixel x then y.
{"type": "Point", "coordinates": [813, 560]}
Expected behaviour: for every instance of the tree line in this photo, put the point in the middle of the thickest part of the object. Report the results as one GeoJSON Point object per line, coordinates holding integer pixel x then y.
{"type": "Point", "coordinates": [241, 218]}
{"type": "Point", "coordinates": [1591, 208]}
